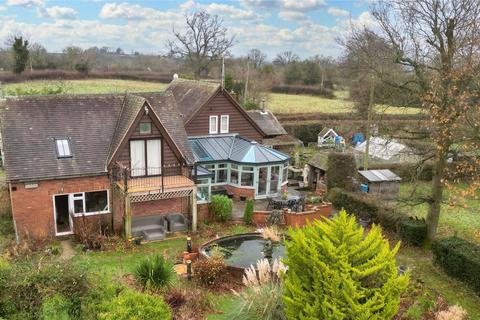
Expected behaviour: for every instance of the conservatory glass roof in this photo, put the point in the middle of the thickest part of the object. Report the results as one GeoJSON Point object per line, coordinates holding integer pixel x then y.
{"type": "Point", "coordinates": [233, 148]}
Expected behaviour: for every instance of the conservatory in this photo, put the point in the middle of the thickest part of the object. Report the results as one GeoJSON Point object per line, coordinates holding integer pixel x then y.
{"type": "Point", "coordinates": [238, 167]}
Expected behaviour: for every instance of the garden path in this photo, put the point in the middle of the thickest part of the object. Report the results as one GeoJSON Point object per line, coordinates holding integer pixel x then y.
{"type": "Point", "coordinates": [67, 250]}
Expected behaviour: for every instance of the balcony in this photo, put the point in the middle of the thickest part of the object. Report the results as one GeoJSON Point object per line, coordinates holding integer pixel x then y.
{"type": "Point", "coordinates": [152, 180]}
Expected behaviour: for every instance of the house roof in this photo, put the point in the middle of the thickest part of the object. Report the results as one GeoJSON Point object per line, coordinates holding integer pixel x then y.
{"type": "Point", "coordinates": [233, 148]}
{"type": "Point", "coordinates": [267, 121]}
{"type": "Point", "coordinates": [319, 160]}
{"type": "Point", "coordinates": [379, 175]}
{"type": "Point", "coordinates": [191, 95]}
{"type": "Point", "coordinates": [30, 125]}
{"type": "Point", "coordinates": [94, 124]}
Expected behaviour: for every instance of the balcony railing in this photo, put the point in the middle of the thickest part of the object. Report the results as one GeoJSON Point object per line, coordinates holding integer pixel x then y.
{"type": "Point", "coordinates": [158, 179]}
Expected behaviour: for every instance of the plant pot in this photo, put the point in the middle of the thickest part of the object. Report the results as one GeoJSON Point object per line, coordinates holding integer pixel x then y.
{"type": "Point", "coordinates": [301, 184]}
{"type": "Point", "coordinates": [192, 256]}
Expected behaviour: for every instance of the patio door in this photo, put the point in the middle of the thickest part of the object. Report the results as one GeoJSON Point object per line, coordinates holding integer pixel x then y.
{"type": "Point", "coordinates": [262, 182]}
{"type": "Point", "coordinates": [63, 219]}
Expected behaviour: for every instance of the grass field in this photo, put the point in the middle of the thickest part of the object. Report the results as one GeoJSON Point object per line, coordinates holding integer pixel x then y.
{"type": "Point", "coordinates": [277, 102]}
{"type": "Point", "coordinates": [459, 215]}
{"type": "Point", "coordinates": [291, 103]}
{"type": "Point", "coordinates": [90, 86]}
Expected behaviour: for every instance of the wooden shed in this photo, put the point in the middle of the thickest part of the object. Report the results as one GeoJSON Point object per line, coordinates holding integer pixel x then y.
{"type": "Point", "coordinates": [383, 183]}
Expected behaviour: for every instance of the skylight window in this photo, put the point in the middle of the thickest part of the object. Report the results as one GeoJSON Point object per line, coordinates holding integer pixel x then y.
{"type": "Point", "coordinates": [63, 148]}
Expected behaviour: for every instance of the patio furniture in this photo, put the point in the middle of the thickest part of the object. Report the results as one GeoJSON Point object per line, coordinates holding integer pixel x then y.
{"type": "Point", "coordinates": [177, 222]}
{"type": "Point", "coordinates": [290, 203]}
{"type": "Point", "coordinates": [149, 227]}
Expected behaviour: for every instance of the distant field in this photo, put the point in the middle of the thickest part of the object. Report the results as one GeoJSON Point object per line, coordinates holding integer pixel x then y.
{"type": "Point", "coordinates": [290, 103]}
{"type": "Point", "coordinates": [277, 102]}
{"type": "Point", "coordinates": [90, 86]}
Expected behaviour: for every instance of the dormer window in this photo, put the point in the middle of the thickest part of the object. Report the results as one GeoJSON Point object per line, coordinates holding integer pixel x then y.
{"type": "Point", "coordinates": [213, 125]}
{"type": "Point", "coordinates": [63, 148]}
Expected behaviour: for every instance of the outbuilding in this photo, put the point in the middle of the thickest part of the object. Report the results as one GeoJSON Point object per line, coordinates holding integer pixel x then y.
{"type": "Point", "coordinates": [383, 183]}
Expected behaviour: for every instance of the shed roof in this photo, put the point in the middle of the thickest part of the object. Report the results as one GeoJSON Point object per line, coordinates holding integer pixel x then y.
{"type": "Point", "coordinates": [191, 95]}
{"type": "Point", "coordinates": [283, 140]}
{"type": "Point", "coordinates": [379, 175]}
{"type": "Point", "coordinates": [234, 148]}
{"type": "Point", "coordinates": [267, 121]}
{"type": "Point", "coordinates": [326, 131]}
{"type": "Point", "coordinates": [382, 148]}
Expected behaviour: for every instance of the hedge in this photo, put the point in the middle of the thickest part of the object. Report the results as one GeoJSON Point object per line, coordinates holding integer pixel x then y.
{"type": "Point", "coordinates": [341, 170]}
{"type": "Point", "coordinates": [411, 230]}
{"type": "Point", "coordinates": [314, 91]}
{"type": "Point", "coordinates": [460, 259]}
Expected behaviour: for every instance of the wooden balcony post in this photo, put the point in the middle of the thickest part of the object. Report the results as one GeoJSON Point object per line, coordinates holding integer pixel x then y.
{"type": "Point", "coordinates": [194, 209]}
{"type": "Point", "coordinates": [128, 217]}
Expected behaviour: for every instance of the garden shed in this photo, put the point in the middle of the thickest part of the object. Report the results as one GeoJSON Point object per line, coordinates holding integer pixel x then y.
{"type": "Point", "coordinates": [383, 183]}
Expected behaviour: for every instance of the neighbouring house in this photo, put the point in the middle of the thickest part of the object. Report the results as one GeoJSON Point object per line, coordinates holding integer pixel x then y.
{"type": "Point", "coordinates": [382, 183]}
{"type": "Point", "coordinates": [276, 136]}
{"type": "Point", "coordinates": [117, 160]}
{"type": "Point", "coordinates": [326, 137]}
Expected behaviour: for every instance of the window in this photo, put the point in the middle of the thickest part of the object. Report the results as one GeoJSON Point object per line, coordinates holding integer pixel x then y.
{"type": "Point", "coordinates": [89, 202]}
{"type": "Point", "coordinates": [63, 148]}
{"type": "Point", "coordinates": [234, 174]}
{"type": "Point", "coordinates": [247, 176]}
{"type": "Point", "coordinates": [203, 190]}
{"type": "Point", "coordinates": [213, 126]}
{"type": "Point", "coordinates": [145, 157]}
{"type": "Point", "coordinates": [224, 123]}
{"type": "Point", "coordinates": [221, 173]}
{"type": "Point", "coordinates": [285, 172]}
{"type": "Point", "coordinates": [145, 128]}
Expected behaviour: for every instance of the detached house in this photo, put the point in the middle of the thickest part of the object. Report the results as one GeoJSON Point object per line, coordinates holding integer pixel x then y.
{"type": "Point", "coordinates": [114, 159]}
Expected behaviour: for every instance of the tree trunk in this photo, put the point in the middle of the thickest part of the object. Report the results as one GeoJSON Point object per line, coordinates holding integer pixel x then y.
{"type": "Point", "coordinates": [436, 195]}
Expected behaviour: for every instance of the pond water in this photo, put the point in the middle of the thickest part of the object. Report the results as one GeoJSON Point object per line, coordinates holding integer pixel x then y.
{"type": "Point", "coordinates": [244, 250]}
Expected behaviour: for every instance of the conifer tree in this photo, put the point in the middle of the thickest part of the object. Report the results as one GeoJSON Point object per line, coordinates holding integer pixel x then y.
{"type": "Point", "coordinates": [337, 272]}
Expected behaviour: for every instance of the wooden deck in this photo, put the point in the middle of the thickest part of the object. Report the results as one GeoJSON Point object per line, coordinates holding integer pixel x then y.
{"type": "Point", "coordinates": [148, 184]}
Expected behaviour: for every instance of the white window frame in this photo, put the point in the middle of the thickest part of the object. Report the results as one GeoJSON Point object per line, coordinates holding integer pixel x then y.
{"type": "Point", "coordinates": [62, 145]}
{"type": "Point", "coordinates": [72, 197]}
{"type": "Point", "coordinates": [225, 116]}
{"type": "Point", "coordinates": [210, 131]}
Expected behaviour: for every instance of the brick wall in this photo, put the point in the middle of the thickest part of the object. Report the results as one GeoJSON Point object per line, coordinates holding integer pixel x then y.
{"type": "Point", "coordinates": [163, 207]}
{"type": "Point", "coordinates": [240, 192]}
{"type": "Point", "coordinates": [203, 213]}
{"type": "Point", "coordinates": [33, 208]}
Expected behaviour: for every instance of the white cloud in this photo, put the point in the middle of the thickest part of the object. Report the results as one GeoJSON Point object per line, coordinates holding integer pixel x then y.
{"type": "Point", "coordinates": [231, 11]}
{"type": "Point", "coordinates": [25, 3]}
{"type": "Point", "coordinates": [134, 12]}
{"type": "Point", "coordinates": [2, 8]}
{"type": "Point", "coordinates": [56, 12]}
{"type": "Point", "coordinates": [338, 12]}
{"type": "Point", "coordinates": [294, 16]}
{"type": "Point", "coordinates": [298, 5]}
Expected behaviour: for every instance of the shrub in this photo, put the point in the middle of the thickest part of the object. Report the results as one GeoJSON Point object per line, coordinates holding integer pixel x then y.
{"type": "Point", "coordinates": [335, 272]}
{"type": "Point", "coordinates": [25, 285]}
{"type": "Point", "coordinates": [135, 305]}
{"type": "Point", "coordinates": [55, 308]}
{"type": "Point", "coordinates": [155, 272]}
{"type": "Point", "coordinates": [454, 312]}
{"type": "Point", "coordinates": [459, 258]}
{"type": "Point", "coordinates": [250, 106]}
{"type": "Point", "coordinates": [211, 271]}
{"type": "Point", "coordinates": [341, 171]}
{"type": "Point", "coordinates": [248, 214]}
{"type": "Point", "coordinates": [221, 207]}
{"type": "Point", "coordinates": [412, 230]}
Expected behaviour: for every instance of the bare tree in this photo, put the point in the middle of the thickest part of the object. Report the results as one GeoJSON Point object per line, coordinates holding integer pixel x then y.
{"type": "Point", "coordinates": [257, 58]}
{"type": "Point", "coordinates": [285, 58]}
{"type": "Point", "coordinates": [204, 40]}
{"type": "Point", "coordinates": [439, 42]}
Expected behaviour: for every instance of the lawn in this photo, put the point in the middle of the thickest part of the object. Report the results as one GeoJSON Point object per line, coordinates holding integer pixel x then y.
{"type": "Point", "coordinates": [90, 86]}
{"type": "Point", "coordinates": [459, 215]}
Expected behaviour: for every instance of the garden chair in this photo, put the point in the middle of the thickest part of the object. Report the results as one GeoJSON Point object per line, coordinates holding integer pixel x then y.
{"type": "Point", "coordinates": [177, 222]}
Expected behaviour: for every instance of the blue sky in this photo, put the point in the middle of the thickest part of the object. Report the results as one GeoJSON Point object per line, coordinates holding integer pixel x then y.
{"type": "Point", "coordinates": [306, 27]}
